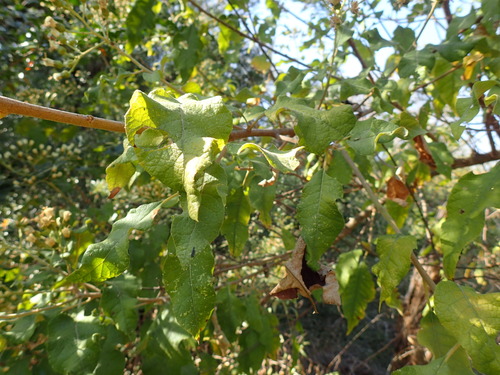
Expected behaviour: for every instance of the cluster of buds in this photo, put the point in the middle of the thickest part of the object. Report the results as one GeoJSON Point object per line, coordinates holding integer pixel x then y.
{"type": "Point", "coordinates": [47, 219]}
{"type": "Point", "coordinates": [337, 9]}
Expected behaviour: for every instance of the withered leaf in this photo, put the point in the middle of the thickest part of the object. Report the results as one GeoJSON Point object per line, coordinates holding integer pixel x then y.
{"type": "Point", "coordinates": [397, 191]}
{"type": "Point", "coordinates": [423, 151]}
{"type": "Point", "coordinates": [301, 279]}
{"type": "Point", "coordinates": [113, 193]}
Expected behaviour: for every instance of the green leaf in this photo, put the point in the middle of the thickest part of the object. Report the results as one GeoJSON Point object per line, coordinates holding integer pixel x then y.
{"type": "Point", "coordinates": [470, 196]}
{"type": "Point", "coordinates": [227, 36]}
{"type": "Point", "coordinates": [472, 318]}
{"type": "Point", "coordinates": [453, 49]}
{"type": "Point", "coordinates": [480, 87]}
{"type": "Point", "coordinates": [119, 300]}
{"type": "Point", "coordinates": [403, 37]}
{"type": "Point", "coordinates": [121, 170]}
{"type": "Point", "coordinates": [394, 252]}
{"type": "Point", "coordinates": [188, 267]}
{"type": "Point", "coordinates": [434, 336]}
{"type": "Point", "coordinates": [356, 287]}
{"type": "Point", "coordinates": [319, 216]}
{"type": "Point", "coordinates": [111, 359]}
{"type": "Point", "coordinates": [262, 198]}
{"type": "Point", "coordinates": [411, 124]}
{"type": "Point", "coordinates": [190, 287]}
{"type": "Point", "coordinates": [235, 227]}
{"type": "Point", "coordinates": [339, 168]}
{"type": "Point", "coordinates": [467, 109]}
{"type": "Point", "coordinates": [445, 89]}
{"type": "Point", "coordinates": [73, 346]}
{"type": "Point", "coordinates": [316, 129]}
{"type": "Point", "coordinates": [188, 235]}
{"type": "Point", "coordinates": [186, 135]}
{"type": "Point", "coordinates": [230, 313]}
{"type": "Point", "coordinates": [140, 19]}
{"type": "Point", "coordinates": [412, 60]}
{"type": "Point", "coordinates": [260, 63]}
{"type": "Point", "coordinates": [441, 343]}
{"type": "Point", "coordinates": [259, 339]}
{"type": "Point", "coordinates": [284, 161]}
{"type": "Point", "coordinates": [109, 258]}
{"type": "Point", "coordinates": [188, 52]}
{"type": "Point", "coordinates": [366, 134]}
{"type": "Point", "coordinates": [443, 158]}
{"type": "Point", "coordinates": [22, 330]}
{"type": "Point", "coordinates": [375, 39]}
{"type": "Point", "coordinates": [169, 346]}
{"type": "Point", "coordinates": [290, 83]}
{"type": "Point", "coordinates": [439, 366]}
{"type": "Point", "coordinates": [152, 77]}
{"type": "Point", "coordinates": [354, 86]}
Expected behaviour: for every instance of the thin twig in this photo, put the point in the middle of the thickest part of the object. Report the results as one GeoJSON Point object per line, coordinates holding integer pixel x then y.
{"type": "Point", "coordinates": [90, 296]}
{"type": "Point", "coordinates": [246, 36]}
{"type": "Point", "coordinates": [456, 67]}
{"type": "Point", "coordinates": [430, 235]}
{"type": "Point", "coordinates": [337, 359]}
{"type": "Point", "coordinates": [429, 16]}
{"type": "Point", "coordinates": [383, 211]}
{"type": "Point", "coordinates": [252, 34]}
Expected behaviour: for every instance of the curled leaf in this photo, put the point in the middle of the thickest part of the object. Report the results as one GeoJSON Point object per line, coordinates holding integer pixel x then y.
{"type": "Point", "coordinates": [397, 191]}
{"type": "Point", "coordinates": [425, 155]}
{"type": "Point", "coordinates": [300, 279]}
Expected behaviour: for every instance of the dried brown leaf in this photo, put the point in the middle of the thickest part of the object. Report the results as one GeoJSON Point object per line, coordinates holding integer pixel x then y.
{"type": "Point", "coordinates": [397, 191]}
{"type": "Point", "coordinates": [301, 279]}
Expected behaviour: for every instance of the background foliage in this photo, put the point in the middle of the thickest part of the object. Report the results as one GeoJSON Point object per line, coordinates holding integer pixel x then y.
{"type": "Point", "coordinates": [370, 129]}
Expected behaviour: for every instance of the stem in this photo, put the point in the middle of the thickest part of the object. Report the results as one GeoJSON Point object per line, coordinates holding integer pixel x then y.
{"type": "Point", "coordinates": [383, 211]}
{"type": "Point", "coordinates": [437, 78]}
{"type": "Point", "coordinates": [11, 106]}
{"type": "Point", "coordinates": [429, 16]}
{"type": "Point", "coordinates": [451, 352]}
{"type": "Point", "coordinates": [90, 297]}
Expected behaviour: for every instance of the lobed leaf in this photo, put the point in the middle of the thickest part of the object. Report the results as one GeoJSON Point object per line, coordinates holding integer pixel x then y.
{"type": "Point", "coordinates": [319, 216]}
{"type": "Point", "coordinates": [183, 139]}
{"type": "Point", "coordinates": [470, 196]}
{"type": "Point", "coordinates": [473, 319]}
